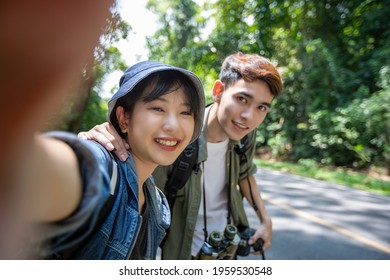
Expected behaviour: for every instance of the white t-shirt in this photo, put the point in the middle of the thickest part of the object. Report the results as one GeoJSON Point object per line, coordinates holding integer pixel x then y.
{"type": "Point", "coordinates": [216, 194]}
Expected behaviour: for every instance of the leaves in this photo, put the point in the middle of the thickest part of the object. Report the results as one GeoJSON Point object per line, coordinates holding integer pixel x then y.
{"type": "Point", "coordinates": [86, 108]}
{"type": "Point", "coordinates": [334, 56]}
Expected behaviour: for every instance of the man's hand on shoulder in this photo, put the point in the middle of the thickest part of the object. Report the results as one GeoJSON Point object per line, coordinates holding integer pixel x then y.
{"type": "Point", "coordinates": [106, 135]}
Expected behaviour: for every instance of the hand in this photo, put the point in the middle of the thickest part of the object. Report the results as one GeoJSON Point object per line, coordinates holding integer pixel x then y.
{"type": "Point", "coordinates": [264, 232]}
{"type": "Point", "coordinates": [106, 135]}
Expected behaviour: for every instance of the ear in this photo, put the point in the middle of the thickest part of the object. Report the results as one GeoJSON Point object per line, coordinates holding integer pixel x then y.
{"type": "Point", "coordinates": [122, 118]}
{"type": "Point", "coordinates": [217, 90]}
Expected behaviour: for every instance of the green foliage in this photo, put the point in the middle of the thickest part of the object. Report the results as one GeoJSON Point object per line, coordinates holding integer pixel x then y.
{"type": "Point", "coordinates": [96, 109]}
{"type": "Point", "coordinates": [85, 108]}
{"type": "Point", "coordinates": [357, 135]}
{"type": "Point", "coordinates": [107, 59]}
{"type": "Point", "coordinates": [334, 56]}
{"type": "Point", "coordinates": [173, 42]}
{"type": "Point", "coordinates": [95, 113]}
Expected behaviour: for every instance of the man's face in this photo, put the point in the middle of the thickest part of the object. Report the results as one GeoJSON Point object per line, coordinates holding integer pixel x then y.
{"type": "Point", "coordinates": [242, 107]}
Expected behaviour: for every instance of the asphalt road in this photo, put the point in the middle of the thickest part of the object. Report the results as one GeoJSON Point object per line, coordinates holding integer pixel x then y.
{"type": "Point", "coordinates": [315, 220]}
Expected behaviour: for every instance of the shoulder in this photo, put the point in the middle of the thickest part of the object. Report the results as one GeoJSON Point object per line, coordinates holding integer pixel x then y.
{"type": "Point", "coordinates": [88, 152]}
{"type": "Point", "coordinates": [94, 166]}
{"type": "Point", "coordinates": [160, 175]}
{"type": "Point", "coordinates": [92, 161]}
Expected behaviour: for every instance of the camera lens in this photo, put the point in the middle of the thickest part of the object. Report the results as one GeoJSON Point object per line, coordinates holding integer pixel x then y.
{"type": "Point", "coordinates": [215, 238]}
{"type": "Point", "coordinates": [230, 232]}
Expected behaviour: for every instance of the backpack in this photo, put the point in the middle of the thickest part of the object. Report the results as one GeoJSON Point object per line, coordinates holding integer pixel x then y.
{"type": "Point", "coordinates": [181, 171]}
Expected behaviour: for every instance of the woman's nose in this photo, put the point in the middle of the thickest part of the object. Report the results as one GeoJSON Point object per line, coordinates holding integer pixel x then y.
{"type": "Point", "coordinates": [171, 122]}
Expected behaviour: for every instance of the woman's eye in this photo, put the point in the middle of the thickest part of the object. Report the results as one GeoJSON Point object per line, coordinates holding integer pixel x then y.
{"type": "Point", "coordinates": [158, 109]}
{"type": "Point", "coordinates": [187, 113]}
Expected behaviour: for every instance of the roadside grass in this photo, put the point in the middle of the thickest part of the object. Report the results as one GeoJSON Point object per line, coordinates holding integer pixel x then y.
{"type": "Point", "coordinates": [308, 168]}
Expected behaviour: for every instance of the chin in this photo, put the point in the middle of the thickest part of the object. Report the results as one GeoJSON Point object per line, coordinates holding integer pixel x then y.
{"type": "Point", "coordinates": [235, 136]}
{"type": "Point", "coordinates": [238, 135]}
{"type": "Point", "coordinates": [166, 162]}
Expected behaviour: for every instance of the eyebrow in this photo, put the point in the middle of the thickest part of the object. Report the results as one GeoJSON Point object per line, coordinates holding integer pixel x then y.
{"type": "Point", "coordinates": [251, 97]}
{"type": "Point", "coordinates": [161, 98]}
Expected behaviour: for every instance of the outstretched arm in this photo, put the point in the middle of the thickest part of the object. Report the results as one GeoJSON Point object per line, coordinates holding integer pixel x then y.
{"type": "Point", "coordinates": [265, 230]}
{"type": "Point", "coordinates": [51, 180]}
{"type": "Point", "coordinates": [106, 135]}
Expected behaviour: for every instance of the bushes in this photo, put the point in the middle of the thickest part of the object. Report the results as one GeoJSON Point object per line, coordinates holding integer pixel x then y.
{"type": "Point", "coordinates": [356, 136]}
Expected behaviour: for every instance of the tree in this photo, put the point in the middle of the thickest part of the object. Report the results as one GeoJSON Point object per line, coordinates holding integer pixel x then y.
{"type": "Point", "coordinates": [84, 107]}
{"type": "Point", "coordinates": [334, 56]}
{"type": "Point", "coordinates": [173, 42]}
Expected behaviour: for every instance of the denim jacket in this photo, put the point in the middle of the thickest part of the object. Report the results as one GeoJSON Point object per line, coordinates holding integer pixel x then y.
{"type": "Point", "coordinates": [118, 233]}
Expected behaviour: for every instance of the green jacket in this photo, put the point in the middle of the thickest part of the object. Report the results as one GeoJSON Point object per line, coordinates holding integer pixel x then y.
{"type": "Point", "coordinates": [177, 245]}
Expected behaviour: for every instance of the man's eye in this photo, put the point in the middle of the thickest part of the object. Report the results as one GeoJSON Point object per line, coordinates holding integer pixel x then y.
{"type": "Point", "coordinates": [242, 99]}
{"type": "Point", "coordinates": [263, 108]}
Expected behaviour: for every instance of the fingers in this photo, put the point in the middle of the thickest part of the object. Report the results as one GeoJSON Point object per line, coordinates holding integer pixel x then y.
{"type": "Point", "coordinates": [83, 135]}
{"type": "Point", "coordinates": [106, 135]}
{"type": "Point", "coordinates": [120, 145]}
{"type": "Point", "coordinates": [259, 249]}
{"type": "Point", "coordinates": [264, 236]}
{"type": "Point", "coordinates": [267, 245]}
{"type": "Point", "coordinates": [127, 146]}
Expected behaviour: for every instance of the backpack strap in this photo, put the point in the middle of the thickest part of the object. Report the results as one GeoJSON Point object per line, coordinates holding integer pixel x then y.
{"type": "Point", "coordinates": [181, 171]}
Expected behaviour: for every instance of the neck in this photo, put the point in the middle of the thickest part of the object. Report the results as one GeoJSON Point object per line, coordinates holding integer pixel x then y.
{"type": "Point", "coordinates": [214, 132]}
{"type": "Point", "coordinates": [143, 172]}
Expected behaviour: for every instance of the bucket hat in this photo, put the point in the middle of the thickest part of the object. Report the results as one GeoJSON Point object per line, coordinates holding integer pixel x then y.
{"type": "Point", "coordinates": [141, 70]}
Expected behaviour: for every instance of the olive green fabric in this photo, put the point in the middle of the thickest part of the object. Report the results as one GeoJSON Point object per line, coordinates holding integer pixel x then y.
{"type": "Point", "coordinates": [177, 245]}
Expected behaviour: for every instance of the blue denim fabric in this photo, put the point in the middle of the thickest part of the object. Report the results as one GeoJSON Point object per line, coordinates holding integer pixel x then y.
{"type": "Point", "coordinates": [116, 237]}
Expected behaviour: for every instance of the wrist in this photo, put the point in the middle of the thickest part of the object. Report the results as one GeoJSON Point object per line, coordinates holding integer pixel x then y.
{"type": "Point", "coordinates": [266, 221]}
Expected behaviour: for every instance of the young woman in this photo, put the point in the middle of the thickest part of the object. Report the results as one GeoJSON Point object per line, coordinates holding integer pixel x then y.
{"type": "Point", "coordinates": [243, 94]}
{"type": "Point", "coordinates": [158, 109]}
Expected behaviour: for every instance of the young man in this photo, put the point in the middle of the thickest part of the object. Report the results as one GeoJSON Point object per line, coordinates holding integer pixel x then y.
{"type": "Point", "coordinates": [212, 197]}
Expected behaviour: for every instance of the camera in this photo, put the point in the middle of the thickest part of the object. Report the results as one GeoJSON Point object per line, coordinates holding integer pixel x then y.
{"type": "Point", "coordinates": [229, 244]}
{"type": "Point", "coordinates": [220, 246]}
{"type": "Point", "coordinates": [244, 248]}
{"type": "Point", "coordinates": [211, 248]}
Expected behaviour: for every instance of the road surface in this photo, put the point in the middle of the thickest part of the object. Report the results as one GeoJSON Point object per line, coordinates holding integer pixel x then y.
{"type": "Point", "coordinates": [316, 220]}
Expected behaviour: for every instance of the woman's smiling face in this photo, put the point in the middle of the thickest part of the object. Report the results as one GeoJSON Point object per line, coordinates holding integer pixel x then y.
{"type": "Point", "coordinates": [159, 130]}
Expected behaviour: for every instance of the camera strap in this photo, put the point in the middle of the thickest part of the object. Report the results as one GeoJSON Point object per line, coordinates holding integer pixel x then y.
{"type": "Point", "coordinates": [229, 187]}
{"type": "Point", "coordinates": [206, 234]}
